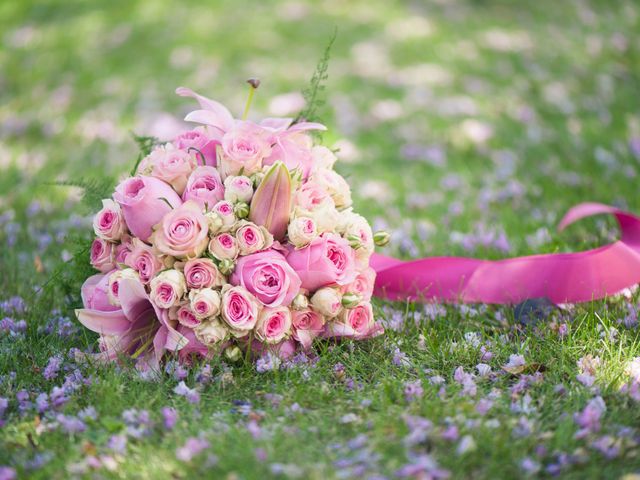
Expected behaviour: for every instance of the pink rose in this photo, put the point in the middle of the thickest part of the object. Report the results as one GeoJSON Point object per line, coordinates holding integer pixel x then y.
{"type": "Point", "coordinates": [183, 232]}
{"type": "Point", "coordinates": [205, 303]}
{"type": "Point", "coordinates": [143, 203]}
{"type": "Point", "coordinates": [109, 223]}
{"type": "Point", "coordinates": [238, 189]}
{"type": "Point", "coordinates": [167, 288]}
{"type": "Point", "coordinates": [170, 165]}
{"type": "Point", "coordinates": [240, 309]}
{"type": "Point", "coordinates": [355, 323]}
{"type": "Point", "coordinates": [144, 261]}
{"type": "Point", "coordinates": [224, 246]}
{"type": "Point", "coordinates": [243, 149]}
{"type": "Point", "coordinates": [202, 273]}
{"type": "Point", "coordinates": [307, 325]}
{"type": "Point", "coordinates": [123, 249]}
{"type": "Point", "coordinates": [200, 140]}
{"type": "Point", "coordinates": [204, 187]}
{"type": "Point", "coordinates": [327, 260]}
{"type": "Point", "coordinates": [268, 276]}
{"type": "Point", "coordinates": [225, 210]}
{"type": "Point", "coordinates": [102, 255]}
{"type": "Point", "coordinates": [186, 316]}
{"type": "Point", "coordinates": [312, 195]}
{"type": "Point", "coordinates": [95, 294]}
{"type": "Point", "coordinates": [273, 325]}
{"type": "Point", "coordinates": [251, 238]}
{"type": "Point", "coordinates": [363, 284]}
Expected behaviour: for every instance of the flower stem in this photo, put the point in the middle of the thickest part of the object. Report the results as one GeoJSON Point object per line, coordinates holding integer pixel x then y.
{"type": "Point", "coordinates": [254, 83]}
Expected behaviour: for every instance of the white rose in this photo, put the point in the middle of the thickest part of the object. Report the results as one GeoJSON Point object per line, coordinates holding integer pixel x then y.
{"type": "Point", "coordinates": [327, 301]}
{"type": "Point", "coordinates": [167, 288]}
{"type": "Point", "coordinates": [323, 158]}
{"type": "Point", "coordinates": [205, 303]}
{"type": "Point", "coordinates": [114, 283]}
{"type": "Point", "coordinates": [238, 189]}
{"type": "Point", "coordinates": [325, 216]}
{"type": "Point", "coordinates": [215, 222]}
{"type": "Point", "coordinates": [336, 186]}
{"type": "Point", "coordinates": [301, 231]}
{"type": "Point", "coordinates": [352, 225]}
{"type": "Point", "coordinates": [211, 332]}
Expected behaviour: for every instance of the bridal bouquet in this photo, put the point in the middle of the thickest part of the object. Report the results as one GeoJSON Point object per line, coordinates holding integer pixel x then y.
{"type": "Point", "coordinates": [235, 238]}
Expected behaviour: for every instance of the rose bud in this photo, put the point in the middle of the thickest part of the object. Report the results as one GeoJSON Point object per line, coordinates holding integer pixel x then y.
{"type": "Point", "coordinates": [350, 300]}
{"type": "Point", "coordinates": [238, 189]}
{"type": "Point", "coordinates": [381, 238]}
{"type": "Point", "coordinates": [327, 301]}
{"type": "Point", "coordinates": [227, 266]}
{"type": "Point", "coordinates": [241, 210]}
{"type": "Point", "coordinates": [300, 302]}
{"type": "Point", "coordinates": [211, 332]}
{"type": "Point", "coordinates": [233, 353]}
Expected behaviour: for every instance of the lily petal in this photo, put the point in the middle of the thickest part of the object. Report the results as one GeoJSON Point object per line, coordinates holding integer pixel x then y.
{"type": "Point", "coordinates": [271, 204]}
{"type": "Point", "coordinates": [222, 116]}
{"type": "Point", "coordinates": [106, 323]}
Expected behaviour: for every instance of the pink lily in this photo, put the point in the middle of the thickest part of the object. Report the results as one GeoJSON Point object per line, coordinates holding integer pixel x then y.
{"type": "Point", "coordinates": [138, 329]}
{"type": "Point", "coordinates": [271, 204]}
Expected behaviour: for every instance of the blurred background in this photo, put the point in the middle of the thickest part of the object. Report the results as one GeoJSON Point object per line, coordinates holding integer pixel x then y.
{"type": "Point", "coordinates": [467, 127]}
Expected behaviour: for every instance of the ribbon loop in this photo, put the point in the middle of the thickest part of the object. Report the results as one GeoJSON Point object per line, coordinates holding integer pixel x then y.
{"type": "Point", "coordinates": [561, 277]}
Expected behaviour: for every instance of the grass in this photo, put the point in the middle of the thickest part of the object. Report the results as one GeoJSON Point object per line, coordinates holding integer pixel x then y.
{"type": "Point", "coordinates": [454, 119]}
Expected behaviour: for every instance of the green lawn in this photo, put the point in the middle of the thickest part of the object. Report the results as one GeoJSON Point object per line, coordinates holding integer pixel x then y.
{"type": "Point", "coordinates": [466, 127]}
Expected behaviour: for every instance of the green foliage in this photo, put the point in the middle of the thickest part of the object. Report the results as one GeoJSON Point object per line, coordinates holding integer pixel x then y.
{"type": "Point", "coordinates": [145, 144]}
{"type": "Point", "coordinates": [314, 93]}
{"type": "Point", "coordinates": [93, 189]}
{"type": "Point", "coordinates": [68, 277]}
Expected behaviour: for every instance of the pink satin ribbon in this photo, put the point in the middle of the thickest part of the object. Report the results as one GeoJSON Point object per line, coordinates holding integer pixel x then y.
{"type": "Point", "coordinates": [562, 277]}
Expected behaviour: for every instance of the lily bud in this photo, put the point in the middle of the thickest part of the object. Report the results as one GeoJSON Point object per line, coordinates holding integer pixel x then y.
{"type": "Point", "coordinates": [350, 300]}
{"type": "Point", "coordinates": [381, 238]}
{"type": "Point", "coordinates": [227, 266]}
{"type": "Point", "coordinates": [271, 204]}
{"type": "Point", "coordinates": [241, 210]}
